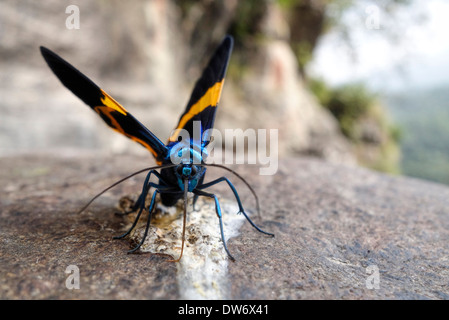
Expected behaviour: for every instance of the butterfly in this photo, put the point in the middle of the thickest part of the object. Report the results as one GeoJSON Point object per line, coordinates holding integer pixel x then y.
{"type": "Point", "coordinates": [182, 159]}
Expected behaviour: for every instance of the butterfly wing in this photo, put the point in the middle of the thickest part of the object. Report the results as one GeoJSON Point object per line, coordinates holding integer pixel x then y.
{"type": "Point", "coordinates": [107, 108]}
{"type": "Point", "coordinates": [203, 102]}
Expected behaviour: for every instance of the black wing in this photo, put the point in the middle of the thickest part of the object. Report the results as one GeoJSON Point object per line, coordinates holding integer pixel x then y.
{"type": "Point", "coordinates": [206, 94]}
{"type": "Point", "coordinates": [107, 108]}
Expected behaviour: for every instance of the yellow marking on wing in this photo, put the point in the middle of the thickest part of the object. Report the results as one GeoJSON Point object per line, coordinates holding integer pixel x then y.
{"type": "Point", "coordinates": [111, 103]}
{"type": "Point", "coordinates": [107, 111]}
{"type": "Point", "coordinates": [146, 145]}
{"type": "Point", "coordinates": [210, 98]}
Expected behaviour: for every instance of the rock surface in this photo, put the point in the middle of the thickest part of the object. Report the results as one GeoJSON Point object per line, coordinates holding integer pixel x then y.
{"type": "Point", "coordinates": [333, 223]}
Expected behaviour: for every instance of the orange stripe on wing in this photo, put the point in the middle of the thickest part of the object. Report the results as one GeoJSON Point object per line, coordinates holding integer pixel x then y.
{"type": "Point", "coordinates": [210, 98]}
{"type": "Point", "coordinates": [111, 103]}
{"type": "Point", "coordinates": [107, 111]}
{"type": "Point", "coordinates": [110, 106]}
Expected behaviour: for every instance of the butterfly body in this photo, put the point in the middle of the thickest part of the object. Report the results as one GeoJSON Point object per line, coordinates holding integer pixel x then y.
{"type": "Point", "coordinates": [188, 169]}
{"type": "Point", "coordinates": [182, 159]}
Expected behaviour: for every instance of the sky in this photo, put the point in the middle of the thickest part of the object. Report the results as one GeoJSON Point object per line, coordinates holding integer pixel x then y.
{"type": "Point", "coordinates": [418, 59]}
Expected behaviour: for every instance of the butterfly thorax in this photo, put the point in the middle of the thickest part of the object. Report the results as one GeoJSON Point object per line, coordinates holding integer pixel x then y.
{"type": "Point", "coordinates": [188, 157]}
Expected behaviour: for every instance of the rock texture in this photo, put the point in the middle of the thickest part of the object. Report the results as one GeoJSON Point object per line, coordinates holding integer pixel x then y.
{"type": "Point", "coordinates": [148, 58]}
{"type": "Point", "coordinates": [333, 223]}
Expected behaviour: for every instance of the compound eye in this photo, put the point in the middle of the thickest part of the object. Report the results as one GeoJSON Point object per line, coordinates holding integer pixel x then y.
{"type": "Point", "coordinates": [194, 171]}
{"type": "Point", "coordinates": [179, 170]}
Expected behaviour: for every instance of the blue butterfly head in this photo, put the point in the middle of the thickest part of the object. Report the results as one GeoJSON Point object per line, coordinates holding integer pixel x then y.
{"type": "Point", "coordinates": [189, 158]}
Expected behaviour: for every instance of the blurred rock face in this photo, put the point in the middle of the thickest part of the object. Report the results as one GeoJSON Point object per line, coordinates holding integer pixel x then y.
{"type": "Point", "coordinates": [278, 99]}
{"type": "Point", "coordinates": [148, 55]}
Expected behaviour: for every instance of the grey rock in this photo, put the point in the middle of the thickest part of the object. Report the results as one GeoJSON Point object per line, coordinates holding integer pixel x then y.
{"type": "Point", "coordinates": [335, 225]}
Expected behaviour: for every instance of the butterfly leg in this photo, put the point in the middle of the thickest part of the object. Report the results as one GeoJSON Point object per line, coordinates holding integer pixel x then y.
{"type": "Point", "coordinates": [150, 211]}
{"type": "Point", "coordinates": [140, 203]}
{"type": "Point", "coordinates": [144, 193]}
{"type": "Point", "coordinates": [218, 211]}
{"type": "Point", "coordinates": [159, 189]}
{"type": "Point", "coordinates": [234, 190]}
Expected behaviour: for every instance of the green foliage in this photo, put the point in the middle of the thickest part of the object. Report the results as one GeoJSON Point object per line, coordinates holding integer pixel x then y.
{"type": "Point", "coordinates": [320, 89]}
{"type": "Point", "coordinates": [303, 53]}
{"type": "Point", "coordinates": [288, 4]}
{"type": "Point", "coordinates": [248, 16]}
{"type": "Point", "coordinates": [347, 103]}
{"type": "Point", "coordinates": [396, 132]}
{"type": "Point", "coordinates": [424, 117]}
{"type": "Point", "coordinates": [364, 121]}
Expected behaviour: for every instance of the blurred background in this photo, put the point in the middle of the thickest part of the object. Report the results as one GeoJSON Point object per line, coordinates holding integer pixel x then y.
{"type": "Point", "coordinates": [352, 82]}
